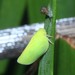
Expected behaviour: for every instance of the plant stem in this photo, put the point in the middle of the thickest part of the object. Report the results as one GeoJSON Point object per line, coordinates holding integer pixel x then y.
{"type": "Point", "coordinates": [47, 62]}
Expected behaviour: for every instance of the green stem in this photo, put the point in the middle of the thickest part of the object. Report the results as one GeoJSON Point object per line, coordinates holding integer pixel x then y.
{"type": "Point", "coordinates": [47, 62]}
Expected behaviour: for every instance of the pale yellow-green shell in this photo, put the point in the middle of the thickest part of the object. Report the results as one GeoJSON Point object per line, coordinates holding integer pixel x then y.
{"type": "Point", "coordinates": [37, 46]}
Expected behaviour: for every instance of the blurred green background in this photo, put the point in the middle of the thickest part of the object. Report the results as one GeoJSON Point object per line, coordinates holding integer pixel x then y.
{"type": "Point", "coordinates": [15, 13]}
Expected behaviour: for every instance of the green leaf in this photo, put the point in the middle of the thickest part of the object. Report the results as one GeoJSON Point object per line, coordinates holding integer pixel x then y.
{"type": "Point", "coordinates": [46, 63]}
{"type": "Point", "coordinates": [64, 58]}
{"type": "Point", "coordinates": [3, 66]}
{"type": "Point", "coordinates": [11, 12]}
{"type": "Point", "coordinates": [34, 7]}
{"type": "Point", "coordinates": [62, 6]}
